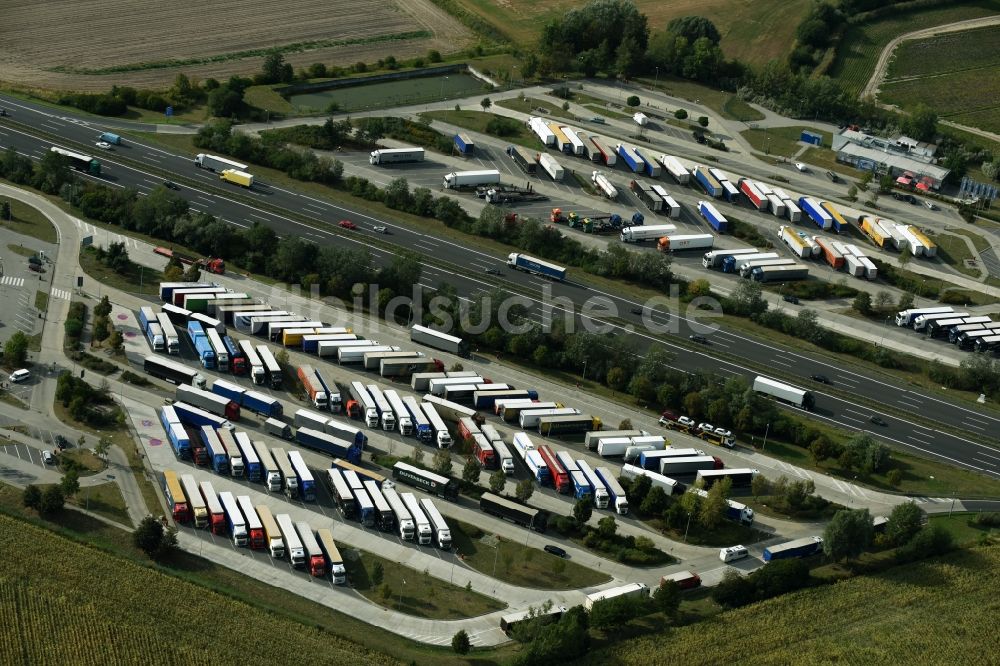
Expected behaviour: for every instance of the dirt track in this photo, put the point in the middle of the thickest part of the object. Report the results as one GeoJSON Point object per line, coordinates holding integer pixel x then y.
{"type": "Point", "coordinates": [872, 87]}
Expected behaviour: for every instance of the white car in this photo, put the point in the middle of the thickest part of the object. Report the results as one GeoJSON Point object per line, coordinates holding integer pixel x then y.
{"type": "Point", "coordinates": [381, 229]}
{"type": "Point", "coordinates": [801, 167]}
{"type": "Point", "coordinates": [103, 145]}
{"type": "Point", "coordinates": [930, 205]}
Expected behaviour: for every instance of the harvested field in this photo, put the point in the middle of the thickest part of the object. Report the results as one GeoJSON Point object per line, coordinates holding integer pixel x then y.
{"type": "Point", "coordinates": [752, 30]}
{"type": "Point", "coordinates": [94, 44]}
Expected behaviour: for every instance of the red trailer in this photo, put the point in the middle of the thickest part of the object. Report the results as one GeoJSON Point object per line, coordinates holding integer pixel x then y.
{"type": "Point", "coordinates": [484, 452]}
{"type": "Point", "coordinates": [686, 580]}
{"type": "Point", "coordinates": [467, 428]}
{"type": "Point", "coordinates": [558, 473]}
{"type": "Point", "coordinates": [216, 515]}
{"type": "Point", "coordinates": [833, 256]}
{"type": "Point", "coordinates": [755, 196]}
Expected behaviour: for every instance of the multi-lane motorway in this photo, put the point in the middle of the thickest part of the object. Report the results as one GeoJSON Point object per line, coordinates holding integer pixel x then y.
{"type": "Point", "coordinates": [32, 129]}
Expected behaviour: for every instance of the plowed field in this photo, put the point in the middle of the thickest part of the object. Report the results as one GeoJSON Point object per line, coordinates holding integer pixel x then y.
{"type": "Point", "coordinates": [93, 44]}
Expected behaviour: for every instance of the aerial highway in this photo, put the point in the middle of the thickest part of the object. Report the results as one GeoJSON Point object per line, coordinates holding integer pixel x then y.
{"type": "Point", "coordinates": [946, 430]}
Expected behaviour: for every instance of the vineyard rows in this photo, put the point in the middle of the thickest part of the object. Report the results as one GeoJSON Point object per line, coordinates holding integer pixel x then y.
{"type": "Point", "coordinates": [860, 48]}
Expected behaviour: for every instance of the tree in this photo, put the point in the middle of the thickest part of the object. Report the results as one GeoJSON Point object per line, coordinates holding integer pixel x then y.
{"type": "Point", "coordinates": [5, 211]}
{"type": "Point", "coordinates": [760, 485]}
{"type": "Point", "coordinates": [655, 502]}
{"type": "Point", "coordinates": [680, 114]}
{"type": "Point", "coordinates": [15, 350]}
{"type": "Point", "coordinates": [852, 193]}
{"type": "Point", "coordinates": [498, 480]}
{"type": "Point", "coordinates": [148, 536]}
{"type": "Point", "coordinates": [863, 303]}
{"type": "Point", "coordinates": [668, 598]}
{"type": "Point", "coordinates": [52, 500]}
{"type": "Point", "coordinates": [921, 124]}
{"type": "Point", "coordinates": [583, 510]}
{"type": "Point", "coordinates": [610, 614]}
{"type": "Point", "coordinates": [70, 483]}
{"type": "Point", "coordinates": [904, 522]}
{"type": "Point", "coordinates": [607, 527]}
{"type": "Point", "coordinates": [524, 490]}
{"type": "Point", "coordinates": [418, 456]}
{"type": "Point", "coordinates": [485, 103]}
{"type": "Point", "coordinates": [713, 509]}
{"type": "Point", "coordinates": [273, 68]}
{"type": "Point", "coordinates": [633, 100]}
{"type": "Point", "coordinates": [894, 477]}
{"type": "Point", "coordinates": [192, 273]}
{"type": "Point", "coordinates": [460, 642]}
{"type": "Point", "coordinates": [733, 591]}
{"type": "Point", "coordinates": [101, 449]}
{"type": "Point", "coordinates": [470, 472]}
{"type": "Point", "coordinates": [703, 121]}
{"type": "Point", "coordinates": [378, 573]}
{"type": "Point", "coordinates": [32, 497]}
{"type": "Point", "coordinates": [442, 462]}
{"type": "Point", "coordinates": [847, 534]}
{"type": "Point", "coordinates": [905, 301]}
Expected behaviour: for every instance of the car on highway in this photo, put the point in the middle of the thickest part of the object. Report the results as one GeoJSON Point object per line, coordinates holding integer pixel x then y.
{"type": "Point", "coordinates": [636, 311]}
{"type": "Point", "coordinates": [878, 420]}
{"type": "Point", "coordinates": [700, 339]}
{"type": "Point", "coordinates": [930, 205]}
{"type": "Point", "coordinates": [832, 176]}
{"type": "Point", "coordinates": [48, 457]}
{"type": "Point", "coordinates": [801, 167]}
{"type": "Point", "coordinates": [794, 300]}
{"type": "Point", "coordinates": [380, 229]}
{"type": "Point", "coordinates": [347, 224]}
{"type": "Point", "coordinates": [103, 145]}
{"type": "Point", "coordinates": [493, 271]}
{"type": "Point", "coordinates": [822, 379]}
{"type": "Point", "coordinates": [554, 550]}
{"type": "Point", "coordinates": [171, 185]}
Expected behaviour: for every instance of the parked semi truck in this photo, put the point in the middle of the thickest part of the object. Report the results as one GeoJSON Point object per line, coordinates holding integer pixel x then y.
{"type": "Point", "coordinates": [526, 516]}
{"type": "Point", "coordinates": [172, 372]}
{"type": "Point", "coordinates": [425, 480]}
{"type": "Point", "coordinates": [465, 179]}
{"type": "Point", "coordinates": [677, 170]}
{"type": "Point", "coordinates": [803, 547]}
{"type": "Point", "coordinates": [616, 494]}
{"type": "Point", "coordinates": [604, 185]}
{"type": "Point", "coordinates": [678, 242]}
{"type": "Point", "coordinates": [438, 340]}
{"type": "Point", "coordinates": [631, 158]}
{"type": "Point", "coordinates": [707, 181]}
{"type": "Point", "coordinates": [384, 156]}
{"type": "Point", "coordinates": [716, 219]}
{"type": "Point", "coordinates": [464, 145]}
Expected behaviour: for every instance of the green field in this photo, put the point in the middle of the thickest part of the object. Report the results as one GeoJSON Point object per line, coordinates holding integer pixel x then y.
{"type": "Point", "coordinates": [937, 612]}
{"type": "Point", "coordinates": [950, 52]}
{"type": "Point", "coordinates": [29, 221]}
{"type": "Point", "coordinates": [860, 48]}
{"type": "Point", "coordinates": [780, 140]}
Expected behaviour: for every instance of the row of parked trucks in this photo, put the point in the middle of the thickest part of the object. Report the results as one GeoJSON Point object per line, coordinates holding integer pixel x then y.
{"type": "Point", "coordinates": [253, 527]}
{"type": "Point", "coordinates": [970, 332]}
{"type": "Point", "coordinates": [886, 234]}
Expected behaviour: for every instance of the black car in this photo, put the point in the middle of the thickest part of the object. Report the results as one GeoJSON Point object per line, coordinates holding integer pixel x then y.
{"type": "Point", "coordinates": [171, 185]}
{"type": "Point", "coordinates": [555, 550]}
{"type": "Point", "coordinates": [822, 379]}
{"type": "Point", "coordinates": [878, 420]}
{"type": "Point", "coordinates": [62, 442]}
{"type": "Point", "coordinates": [700, 339]}
{"type": "Point", "coordinates": [636, 311]}
{"type": "Point", "coordinates": [794, 300]}
{"type": "Point", "coordinates": [493, 271]}
{"type": "Point", "coordinates": [832, 176]}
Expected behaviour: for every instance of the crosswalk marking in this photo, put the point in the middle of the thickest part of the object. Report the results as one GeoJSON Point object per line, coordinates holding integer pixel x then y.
{"type": "Point", "coordinates": [10, 281]}
{"type": "Point", "coordinates": [61, 293]}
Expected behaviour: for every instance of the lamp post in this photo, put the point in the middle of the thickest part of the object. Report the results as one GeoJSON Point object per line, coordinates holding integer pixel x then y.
{"type": "Point", "coordinates": [687, 527]}
{"type": "Point", "coordinates": [656, 81]}
{"type": "Point", "coordinates": [766, 430]}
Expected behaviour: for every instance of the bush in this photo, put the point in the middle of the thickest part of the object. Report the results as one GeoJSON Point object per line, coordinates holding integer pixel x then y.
{"type": "Point", "coordinates": [680, 114]}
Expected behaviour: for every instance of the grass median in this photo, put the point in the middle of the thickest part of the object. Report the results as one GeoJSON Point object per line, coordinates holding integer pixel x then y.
{"type": "Point", "coordinates": [406, 590]}
{"type": "Point", "coordinates": [517, 564]}
{"type": "Point", "coordinates": [29, 221]}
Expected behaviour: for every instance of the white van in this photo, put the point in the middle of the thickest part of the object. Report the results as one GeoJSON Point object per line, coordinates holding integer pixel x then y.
{"type": "Point", "coordinates": [733, 553]}
{"type": "Point", "coordinates": [19, 376]}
